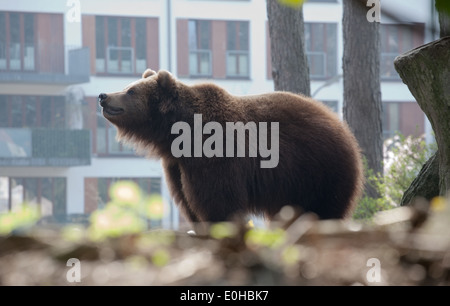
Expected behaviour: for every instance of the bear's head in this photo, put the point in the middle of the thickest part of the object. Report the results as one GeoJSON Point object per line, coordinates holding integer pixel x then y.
{"type": "Point", "coordinates": [143, 108]}
{"type": "Point", "coordinates": [155, 91]}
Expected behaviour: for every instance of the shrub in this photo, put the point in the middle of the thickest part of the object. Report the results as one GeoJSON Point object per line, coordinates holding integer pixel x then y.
{"type": "Point", "coordinates": [403, 159]}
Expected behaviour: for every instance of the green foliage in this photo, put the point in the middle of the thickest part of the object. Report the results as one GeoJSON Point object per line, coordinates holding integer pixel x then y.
{"type": "Point", "coordinates": [114, 221]}
{"type": "Point", "coordinates": [368, 206]}
{"type": "Point", "coordinates": [292, 3]}
{"type": "Point", "coordinates": [272, 238]}
{"type": "Point", "coordinates": [127, 213]}
{"type": "Point", "coordinates": [160, 257]}
{"type": "Point", "coordinates": [403, 162]}
{"type": "Point", "coordinates": [223, 230]}
{"type": "Point", "coordinates": [443, 6]}
{"type": "Point", "coordinates": [404, 157]}
{"type": "Point", "coordinates": [25, 216]}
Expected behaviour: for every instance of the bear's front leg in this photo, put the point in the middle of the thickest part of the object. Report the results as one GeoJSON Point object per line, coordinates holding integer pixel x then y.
{"type": "Point", "coordinates": [173, 178]}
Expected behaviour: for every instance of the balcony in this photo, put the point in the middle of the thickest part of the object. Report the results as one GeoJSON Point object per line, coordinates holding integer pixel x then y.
{"type": "Point", "coordinates": [44, 147]}
{"type": "Point", "coordinates": [43, 64]}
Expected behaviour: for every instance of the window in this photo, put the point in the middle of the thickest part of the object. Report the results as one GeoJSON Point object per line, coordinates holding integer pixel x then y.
{"type": "Point", "coordinates": [404, 117]}
{"type": "Point", "coordinates": [321, 49]}
{"type": "Point", "coordinates": [141, 45]}
{"type": "Point", "coordinates": [395, 40]}
{"type": "Point", "coordinates": [391, 118]}
{"type": "Point", "coordinates": [200, 53]}
{"type": "Point", "coordinates": [48, 193]}
{"type": "Point", "coordinates": [17, 41]}
{"type": "Point", "coordinates": [121, 45]}
{"type": "Point", "coordinates": [213, 48]}
{"type": "Point", "coordinates": [237, 49]}
{"type": "Point", "coordinates": [32, 111]}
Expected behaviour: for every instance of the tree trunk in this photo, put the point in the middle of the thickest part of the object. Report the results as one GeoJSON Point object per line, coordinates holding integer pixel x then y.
{"type": "Point", "coordinates": [362, 94]}
{"type": "Point", "coordinates": [444, 23]}
{"type": "Point", "coordinates": [290, 69]}
{"type": "Point", "coordinates": [426, 184]}
{"type": "Point", "coordinates": [426, 72]}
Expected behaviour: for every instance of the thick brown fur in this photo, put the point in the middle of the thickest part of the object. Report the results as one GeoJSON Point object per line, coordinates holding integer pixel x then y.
{"type": "Point", "coordinates": [319, 169]}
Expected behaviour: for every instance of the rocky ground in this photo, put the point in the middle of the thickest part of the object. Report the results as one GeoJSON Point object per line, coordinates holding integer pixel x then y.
{"type": "Point", "coordinates": [402, 246]}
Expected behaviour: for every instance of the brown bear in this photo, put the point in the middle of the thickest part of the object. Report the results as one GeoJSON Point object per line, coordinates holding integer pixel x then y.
{"type": "Point", "coordinates": [316, 167]}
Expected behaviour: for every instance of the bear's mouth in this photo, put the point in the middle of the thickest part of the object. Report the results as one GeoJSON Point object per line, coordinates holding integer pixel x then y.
{"type": "Point", "coordinates": [113, 111]}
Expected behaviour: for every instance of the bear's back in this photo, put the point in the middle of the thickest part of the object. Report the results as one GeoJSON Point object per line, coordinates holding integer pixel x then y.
{"type": "Point", "coordinates": [319, 160]}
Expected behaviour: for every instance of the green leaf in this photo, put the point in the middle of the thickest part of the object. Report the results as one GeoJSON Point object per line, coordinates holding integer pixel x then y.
{"type": "Point", "coordinates": [154, 207]}
{"type": "Point", "coordinates": [292, 3]}
{"type": "Point", "coordinates": [126, 193]}
{"type": "Point", "coordinates": [223, 230]}
{"type": "Point", "coordinates": [114, 221]}
{"type": "Point", "coordinates": [257, 237]}
{"type": "Point", "coordinates": [25, 216]}
{"type": "Point", "coordinates": [160, 257]}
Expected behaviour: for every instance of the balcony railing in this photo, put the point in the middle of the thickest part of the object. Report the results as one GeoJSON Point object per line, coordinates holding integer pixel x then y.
{"type": "Point", "coordinates": [44, 147]}
{"type": "Point", "coordinates": [41, 63]}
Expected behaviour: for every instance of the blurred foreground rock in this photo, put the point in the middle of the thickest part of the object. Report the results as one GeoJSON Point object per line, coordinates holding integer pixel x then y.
{"type": "Point", "coordinates": [403, 246]}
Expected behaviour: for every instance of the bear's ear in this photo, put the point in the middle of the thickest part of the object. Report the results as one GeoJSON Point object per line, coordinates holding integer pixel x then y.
{"type": "Point", "coordinates": [148, 73]}
{"type": "Point", "coordinates": [166, 81]}
{"type": "Point", "coordinates": [168, 84]}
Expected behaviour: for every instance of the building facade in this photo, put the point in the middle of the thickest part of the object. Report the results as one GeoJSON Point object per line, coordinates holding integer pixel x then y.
{"type": "Point", "coordinates": [58, 151]}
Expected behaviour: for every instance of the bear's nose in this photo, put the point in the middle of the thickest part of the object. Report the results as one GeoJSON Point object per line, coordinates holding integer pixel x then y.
{"type": "Point", "coordinates": [102, 97]}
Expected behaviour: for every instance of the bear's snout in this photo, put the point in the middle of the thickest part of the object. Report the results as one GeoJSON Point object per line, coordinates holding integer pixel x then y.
{"type": "Point", "coordinates": [109, 108]}
{"type": "Point", "coordinates": [101, 98]}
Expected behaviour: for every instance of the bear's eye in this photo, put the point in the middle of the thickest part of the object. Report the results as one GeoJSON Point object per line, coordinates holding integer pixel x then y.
{"type": "Point", "coordinates": [130, 92]}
